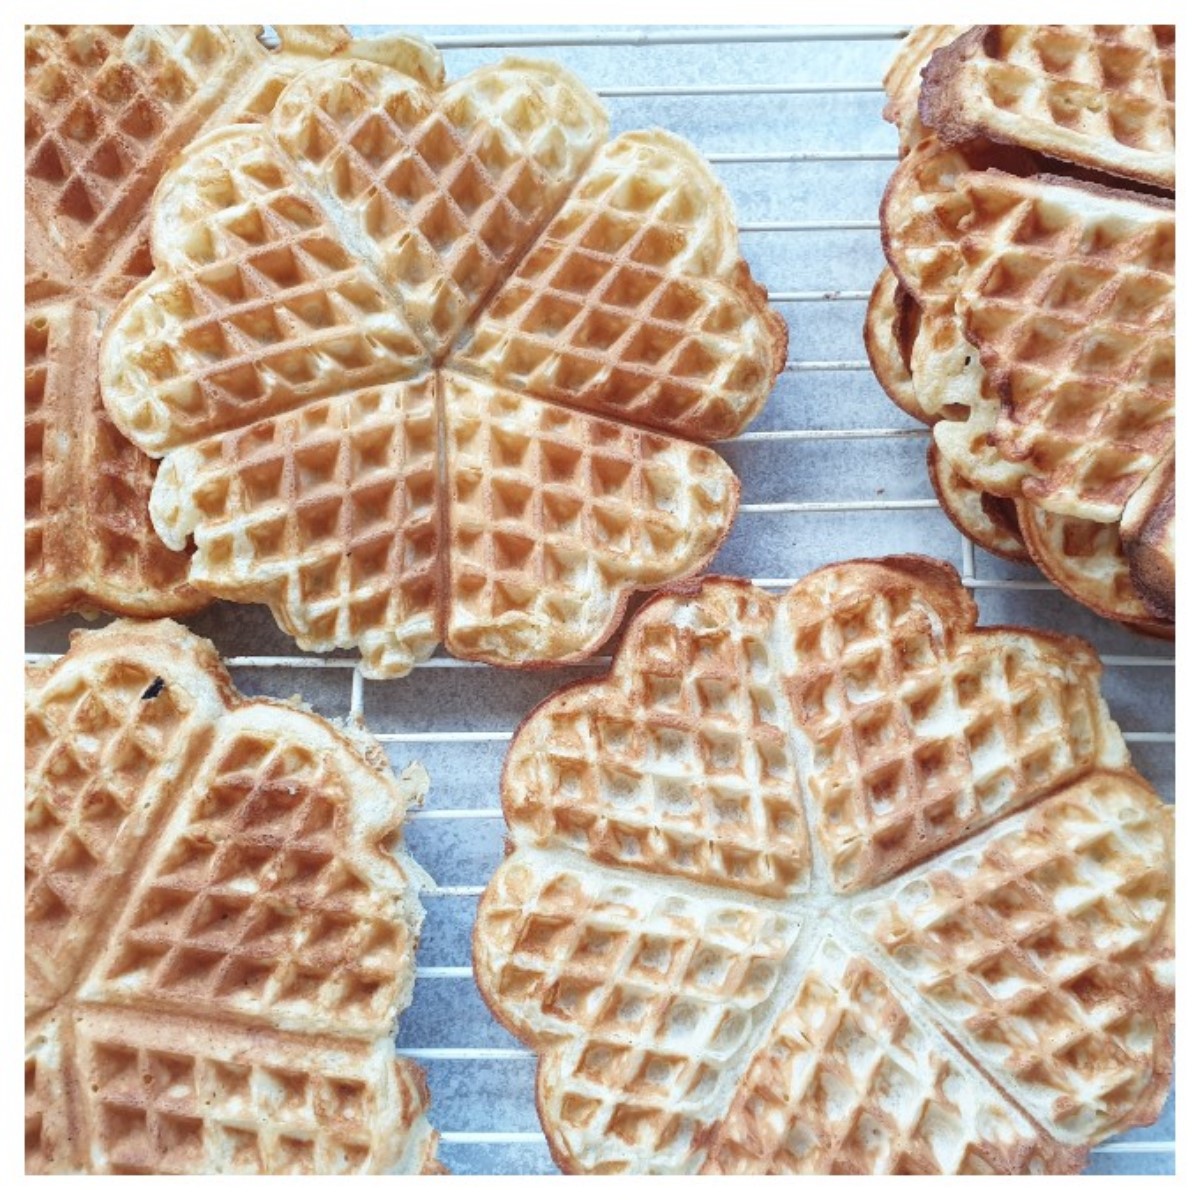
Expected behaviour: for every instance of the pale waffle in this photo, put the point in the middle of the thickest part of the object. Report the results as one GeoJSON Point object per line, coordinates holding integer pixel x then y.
{"type": "Point", "coordinates": [220, 924]}
{"type": "Point", "coordinates": [421, 361]}
{"type": "Point", "coordinates": [106, 109]}
{"type": "Point", "coordinates": [1100, 96]}
{"type": "Point", "coordinates": [833, 881]}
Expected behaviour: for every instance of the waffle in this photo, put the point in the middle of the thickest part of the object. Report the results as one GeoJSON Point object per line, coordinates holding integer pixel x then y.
{"type": "Point", "coordinates": [922, 211]}
{"type": "Point", "coordinates": [1069, 293]}
{"type": "Point", "coordinates": [902, 83]}
{"type": "Point", "coordinates": [889, 328]}
{"type": "Point", "coordinates": [832, 881]}
{"type": "Point", "coordinates": [106, 109]}
{"type": "Point", "coordinates": [1102, 97]}
{"type": "Point", "coordinates": [88, 542]}
{"type": "Point", "coordinates": [1075, 337]}
{"type": "Point", "coordinates": [220, 924]}
{"type": "Point", "coordinates": [614, 310]}
{"type": "Point", "coordinates": [422, 362]}
{"type": "Point", "coordinates": [1148, 539]}
{"type": "Point", "coordinates": [1042, 354]}
{"type": "Point", "coordinates": [989, 521]}
{"type": "Point", "coordinates": [1088, 561]}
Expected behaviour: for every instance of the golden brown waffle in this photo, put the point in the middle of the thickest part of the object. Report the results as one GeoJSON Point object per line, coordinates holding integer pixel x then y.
{"type": "Point", "coordinates": [902, 82]}
{"type": "Point", "coordinates": [833, 881]}
{"type": "Point", "coordinates": [106, 109]}
{"type": "Point", "coordinates": [1069, 293]}
{"type": "Point", "coordinates": [554, 515]}
{"type": "Point", "coordinates": [313, 276]}
{"type": "Point", "coordinates": [220, 924]}
{"type": "Point", "coordinates": [921, 215]}
{"type": "Point", "coordinates": [88, 542]}
{"type": "Point", "coordinates": [1148, 539]}
{"type": "Point", "coordinates": [615, 309]}
{"type": "Point", "coordinates": [1087, 560]}
{"type": "Point", "coordinates": [989, 521]}
{"type": "Point", "coordinates": [922, 211]}
{"type": "Point", "coordinates": [1100, 96]}
{"type": "Point", "coordinates": [1043, 355]}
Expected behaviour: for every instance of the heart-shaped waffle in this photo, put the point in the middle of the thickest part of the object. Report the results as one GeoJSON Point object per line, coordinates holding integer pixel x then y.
{"type": "Point", "coordinates": [833, 881]}
{"type": "Point", "coordinates": [473, 267]}
{"type": "Point", "coordinates": [220, 924]}
{"type": "Point", "coordinates": [106, 110]}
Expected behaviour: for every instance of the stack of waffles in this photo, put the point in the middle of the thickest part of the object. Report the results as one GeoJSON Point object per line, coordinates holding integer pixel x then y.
{"type": "Point", "coordinates": [106, 110]}
{"type": "Point", "coordinates": [833, 882]}
{"type": "Point", "coordinates": [1027, 312]}
{"type": "Point", "coordinates": [437, 363]}
{"type": "Point", "coordinates": [220, 924]}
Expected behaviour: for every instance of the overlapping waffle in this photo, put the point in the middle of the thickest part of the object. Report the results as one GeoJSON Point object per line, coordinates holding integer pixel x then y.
{"type": "Point", "coordinates": [833, 881]}
{"type": "Point", "coordinates": [1044, 348]}
{"type": "Point", "coordinates": [434, 363]}
{"type": "Point", "coordinates": [1084, 558]}
{"type": "Point", "coordinates": [106, 109]}
{"type": "Point", "coordinates": [1100, 96]}
{"type": "Point", "coordinates": [220, 924]}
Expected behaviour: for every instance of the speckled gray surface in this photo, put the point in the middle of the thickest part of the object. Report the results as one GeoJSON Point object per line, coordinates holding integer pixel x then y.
{"type": "Point", "coordinates": [821, 160]}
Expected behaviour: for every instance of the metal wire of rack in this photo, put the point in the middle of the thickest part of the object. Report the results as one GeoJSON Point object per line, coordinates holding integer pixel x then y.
{"type": "Point", "coordinates": [831, 470]}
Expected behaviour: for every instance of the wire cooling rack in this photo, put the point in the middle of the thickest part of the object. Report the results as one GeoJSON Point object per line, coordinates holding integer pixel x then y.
{"type": "Point", "coordinates": [789, 118]}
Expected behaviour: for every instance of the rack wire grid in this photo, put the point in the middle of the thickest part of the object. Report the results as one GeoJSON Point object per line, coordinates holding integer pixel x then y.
{"type": "Point", "coordinates": [790, 120]}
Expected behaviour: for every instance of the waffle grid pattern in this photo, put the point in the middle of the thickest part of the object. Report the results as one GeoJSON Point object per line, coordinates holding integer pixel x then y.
{"type": "Point", "coordinates": [1099, 96]}
{"type": "Point", "coordinates": [854, 1083]}
{"type": "Point", "coordinates": [1073, 309]}
{"type": "Point", "coordinates": [252, 904]}
{"type": "Point", "coordinates": [604, 316]}
{"type": "Point", "coordinates": [553, 513]}
{"type": "Point", "coordinates": [347, 243]}
{"type": "Point", "coordinates": [87, 536]}
{"type": "Point", "coordinates": [919, 735]}
{"type": "Point", "coordinates": [339, 502]}
{"type": "Point", "coordinates": [217, 939]}
{"type": "Point", "coordinates": [107, 108]}
{"type": "Point", "coordinates": [480, 1081]}
{"type": "Point", "coordinates": [101, 105]}
{"type": "Point", "coordinates": [1045, 354]}
{"type": "Point", "coordinates": [1031, 936]}
{"type": "Point", "coordinates": [847, 1058]}
{"type": "Point", "coordinates": [449, 193]}
{"type": "Point", "coordinates": [650, 997]}
{"type": "Point", "coordinates": [96, 751]}
{"type": "Point", "coordinates": [155, 1103]}
{"type": "Point", "coordinates": [704, 787]}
